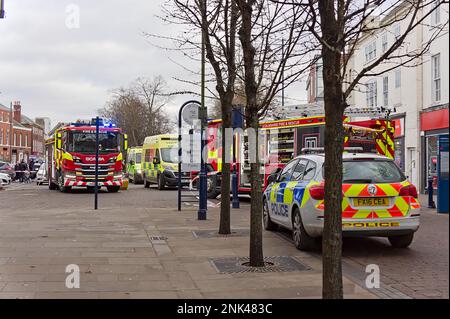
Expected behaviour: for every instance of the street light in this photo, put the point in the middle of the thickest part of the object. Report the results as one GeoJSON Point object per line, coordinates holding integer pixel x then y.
{"type": "Point", "coordinates": [2, 11]}
{"type": "Point", "coordinates": [203, 197]}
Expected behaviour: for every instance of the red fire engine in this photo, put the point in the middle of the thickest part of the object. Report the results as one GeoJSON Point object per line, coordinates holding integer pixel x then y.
{"type": "Point", "coordinates": [284, 139]}
{"type": "Point", "coordinates": [71, 157]}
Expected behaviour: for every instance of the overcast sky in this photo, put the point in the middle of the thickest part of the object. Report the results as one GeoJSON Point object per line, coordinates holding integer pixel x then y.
{"type": "Point", "coordinates": [66, 73]}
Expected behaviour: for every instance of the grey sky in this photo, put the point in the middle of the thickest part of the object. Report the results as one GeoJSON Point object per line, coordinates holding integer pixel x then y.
{"type": "Point", "coordinates": [65, 73]}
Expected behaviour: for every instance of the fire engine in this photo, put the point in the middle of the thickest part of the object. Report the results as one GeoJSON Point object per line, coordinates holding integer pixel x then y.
{"type": "Point", "coordinates": [71, 156]}
{"type": "Point", "coordinates": [284, 139]}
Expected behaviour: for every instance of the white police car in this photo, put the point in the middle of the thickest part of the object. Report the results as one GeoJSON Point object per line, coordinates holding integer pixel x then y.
{"type": "Point", "coordinates": [378, 200]}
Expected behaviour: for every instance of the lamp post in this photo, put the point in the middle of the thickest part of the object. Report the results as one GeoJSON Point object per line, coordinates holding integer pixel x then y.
{"type": "Point", "coordinates": [2, 11]}
{"type": "Point", "coordinates": [203, 199]}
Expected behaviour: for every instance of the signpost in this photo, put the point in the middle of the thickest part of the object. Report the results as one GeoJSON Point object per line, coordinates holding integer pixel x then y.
{"type": "Point", "coordinates": [97, 124]}
{"type": "Point", "coordinates": [443, 174]}
{"type": "Point", "coordinates": [189, 150]}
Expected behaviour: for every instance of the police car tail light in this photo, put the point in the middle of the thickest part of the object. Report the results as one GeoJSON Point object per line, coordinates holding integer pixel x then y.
{"type": "Point", "coordinates": [409, 190]}
{"type": "Point", "coordinates": [317, 192]}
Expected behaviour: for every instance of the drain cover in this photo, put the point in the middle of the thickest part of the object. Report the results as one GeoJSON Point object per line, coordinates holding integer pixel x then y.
{"type": "Point", "coordinates": [158, 238]}
{"type": "Point", "coordinates": [235, 265]}
{"type": "Point", "coordinates": [213, 233]}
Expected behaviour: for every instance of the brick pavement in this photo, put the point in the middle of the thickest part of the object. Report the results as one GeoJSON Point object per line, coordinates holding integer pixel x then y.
{"type": "Point", "coordinates": [41, 232]}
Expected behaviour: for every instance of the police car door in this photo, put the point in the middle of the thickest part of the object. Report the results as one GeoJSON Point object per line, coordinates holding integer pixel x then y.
{"type": "Point", "coordinates": [278, 207]}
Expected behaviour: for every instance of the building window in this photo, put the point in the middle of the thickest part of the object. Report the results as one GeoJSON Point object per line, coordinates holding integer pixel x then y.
{"type": "Point", "coordinates": [398, 78]}
{"type": "Point", "coordinates": [436, 77]}
{"type": "Point", "coordinates": [384, 42]}
{"type": "Point", "coordinates": [371, 51]}
{"type": "Point", "coordinates": [436, 15]}
{"type": "Point", "coordinates": [15, 139]}
{"type": "Point", "coordinates": [1, 137]}
{"type": "Point", "coordinates": [397, 32]}
{"type": "Point", "coordinates": [386, 91]}
{"type": "Point", "coordinates": [371, 95]}
{"type": "Point", "coordinates": [26, 140]}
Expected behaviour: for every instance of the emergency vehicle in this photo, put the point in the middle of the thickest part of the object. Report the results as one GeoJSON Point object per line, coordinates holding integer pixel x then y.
{"type": "Point", "coordinates": [160, 164]}
{"type": "Point", "coordinates": [378, 200]}
{"type": "Point", "coordinates": [282, 140]}
{"type": "Point", "coordinates": [71, 156]}
{"type": "Point", "coordinates": [134, 165]}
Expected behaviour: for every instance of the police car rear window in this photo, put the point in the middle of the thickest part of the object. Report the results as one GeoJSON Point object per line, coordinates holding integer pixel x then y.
{"type": "Point", "coordinates": [371, 171]}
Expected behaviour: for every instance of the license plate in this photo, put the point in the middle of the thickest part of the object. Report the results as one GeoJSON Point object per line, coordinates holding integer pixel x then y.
{"type": "Point", "coordinates": [369, 202]}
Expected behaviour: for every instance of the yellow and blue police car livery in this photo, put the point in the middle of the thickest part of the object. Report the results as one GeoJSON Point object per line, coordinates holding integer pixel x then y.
{"type": "Point", "coordinates": [386, 209]}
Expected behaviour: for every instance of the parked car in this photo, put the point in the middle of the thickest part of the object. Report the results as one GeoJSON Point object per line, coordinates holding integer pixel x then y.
{"type": "Point", "coordinates": [41, 175]}
{"type": "Point", "coordinates": [7, 168]}
{"type": "Point", "coordinates": [378, 200]}
{"type": "Point", "coordinates": [5, 179]}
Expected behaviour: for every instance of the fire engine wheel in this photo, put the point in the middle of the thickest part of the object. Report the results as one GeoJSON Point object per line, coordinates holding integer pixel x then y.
{"type": "Point", "coordinates": [161, 182]}
{"type": "Point", "coordinates": [268, 224]}
{"type": "Point", "coordinates": [113, 189]}
{"type": "Point", "coordinates": [402, 241]}
{"type": "Point", "coordinates": [62, 188]}
{"type": "Point", "coordinates": [302, 240]}
{"type": "Point", "coordinates": [211, 187]}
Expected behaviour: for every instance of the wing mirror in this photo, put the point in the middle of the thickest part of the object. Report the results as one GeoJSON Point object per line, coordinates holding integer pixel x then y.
{"type": "Point", "coordinates": [272, 178]}
{"type": "Point", "coordinates": [156, 161]}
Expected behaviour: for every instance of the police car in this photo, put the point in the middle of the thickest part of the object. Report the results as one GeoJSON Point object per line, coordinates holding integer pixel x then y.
{"type": "Point", "coordinates": [378, 200]}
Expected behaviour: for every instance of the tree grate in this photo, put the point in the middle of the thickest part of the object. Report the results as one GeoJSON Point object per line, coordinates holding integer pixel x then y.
{"type": "Point", "coordinates": [237, 265]}
{"type": "Point", "coordinates": [214, 233]}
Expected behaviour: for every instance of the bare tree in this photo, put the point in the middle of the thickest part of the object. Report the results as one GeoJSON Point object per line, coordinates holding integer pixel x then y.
{"type": "Point", "coordinates": [139, 109]}
{"type": "Point", "coordinates": [268, 62]}
{"type": "Point", "coordinates": [339, 26]}
{"type": "Point", "coordinates": [216, 22]}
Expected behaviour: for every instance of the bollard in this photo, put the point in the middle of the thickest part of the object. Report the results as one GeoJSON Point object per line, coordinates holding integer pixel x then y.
{"type": "Point", "coordinates": [431, 203]}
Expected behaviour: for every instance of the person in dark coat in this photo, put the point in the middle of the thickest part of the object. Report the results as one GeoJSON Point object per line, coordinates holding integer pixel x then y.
{"type": "Point", "coordinates": [17, 169]}
{"type": "Point", "coordinates": [23, 167]}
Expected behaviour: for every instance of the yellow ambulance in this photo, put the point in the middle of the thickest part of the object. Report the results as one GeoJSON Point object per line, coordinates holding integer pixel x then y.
{"type": "Point", "coordinates": [160, 160]}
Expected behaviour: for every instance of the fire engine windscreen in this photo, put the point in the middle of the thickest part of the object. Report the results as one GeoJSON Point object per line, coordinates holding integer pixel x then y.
{"type": "Point", "coordinates": [83, 142]}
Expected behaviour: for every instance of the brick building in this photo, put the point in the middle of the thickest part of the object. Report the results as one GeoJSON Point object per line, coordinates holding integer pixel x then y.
{"type": "Point", "coordinates": [27, 138]}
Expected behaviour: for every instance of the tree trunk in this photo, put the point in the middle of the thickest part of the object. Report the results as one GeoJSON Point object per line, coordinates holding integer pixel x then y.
{"type": "Point", "coordinates": [332, 232]}
{"type": "Point", "coordinates": [252, 122]}
{"type": "Point", "coordinates": [256, 243]}
{"type": "Point", "coordinates": [225, 222]}
{"type": "Point", "coordinates": [334, 143]}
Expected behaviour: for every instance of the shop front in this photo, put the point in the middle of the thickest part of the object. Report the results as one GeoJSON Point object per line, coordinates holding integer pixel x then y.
{"type": "Point", "coordinates": [399, 142]}
{"type": "Point", "coordinates": [433, 123]}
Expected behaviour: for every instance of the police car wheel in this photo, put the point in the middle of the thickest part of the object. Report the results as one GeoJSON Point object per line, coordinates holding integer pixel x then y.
{"type": "Point", "coordinates": [268, 224]}
{"type": "Point", "coordinates": [402, 241]}
{"type": "Point", "coordinates": [302, 240]}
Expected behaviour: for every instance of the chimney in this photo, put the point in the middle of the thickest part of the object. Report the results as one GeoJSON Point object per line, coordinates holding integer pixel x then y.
{"type": "Point", "coordinates": [17, 115]}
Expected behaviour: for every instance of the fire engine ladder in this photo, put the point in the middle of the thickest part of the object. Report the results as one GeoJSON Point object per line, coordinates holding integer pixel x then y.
{"type": "Point", "coordinates": [316, 109]}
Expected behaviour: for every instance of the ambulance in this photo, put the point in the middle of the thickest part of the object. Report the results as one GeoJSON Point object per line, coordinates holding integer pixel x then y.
{"type": "Point", "coordinates": [160, 161]}
{"type": "Point", "coordinates": [134, 165]}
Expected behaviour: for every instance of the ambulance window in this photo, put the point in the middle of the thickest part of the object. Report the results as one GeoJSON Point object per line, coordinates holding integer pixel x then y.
{"type": "Point", "coordinates": [299, 170]}
{"type": "Point", "coordinates": [285, 175]}
{"type": "Point", "coordinates": [138, 157]}
{"type": "Point", "coordinates": [310, 171]}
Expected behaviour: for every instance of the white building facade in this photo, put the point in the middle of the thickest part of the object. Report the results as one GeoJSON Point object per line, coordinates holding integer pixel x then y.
{"type": "Point", "coordinates": [418, 91]}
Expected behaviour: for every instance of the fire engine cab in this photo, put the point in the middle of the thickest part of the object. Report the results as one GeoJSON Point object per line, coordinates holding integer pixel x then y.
{"type": "Point", "coordinates": [71, 156]}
